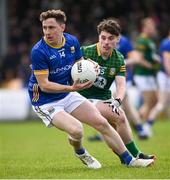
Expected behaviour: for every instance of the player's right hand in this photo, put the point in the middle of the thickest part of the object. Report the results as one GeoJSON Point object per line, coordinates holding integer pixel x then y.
{"type": "Point", "coordinates": [80, 86]}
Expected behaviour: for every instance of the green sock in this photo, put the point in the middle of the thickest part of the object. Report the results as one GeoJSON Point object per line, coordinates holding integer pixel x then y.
{"type": "Point", "coordinates": [132, 148]}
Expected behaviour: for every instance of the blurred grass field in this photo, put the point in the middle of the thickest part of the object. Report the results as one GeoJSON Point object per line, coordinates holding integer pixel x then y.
{"type": "Point", "coordinates": [29, 150]}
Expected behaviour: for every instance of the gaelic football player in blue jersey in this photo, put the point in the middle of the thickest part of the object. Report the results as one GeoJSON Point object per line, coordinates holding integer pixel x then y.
{"type": "Point", "coordinates": [54, 98]}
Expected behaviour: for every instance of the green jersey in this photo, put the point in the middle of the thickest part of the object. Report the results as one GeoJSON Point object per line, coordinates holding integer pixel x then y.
{"type": "Point", "coordinates": [109, 68]}
{"type": "Point", "coordinates": [147, 47]}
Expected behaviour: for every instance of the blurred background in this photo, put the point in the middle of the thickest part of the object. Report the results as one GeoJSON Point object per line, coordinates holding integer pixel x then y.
{"type": "Point", "coordinates": [20, 29]}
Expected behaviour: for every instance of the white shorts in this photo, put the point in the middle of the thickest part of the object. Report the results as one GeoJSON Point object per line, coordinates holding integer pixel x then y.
{"type": "Point", "coordinates": [128, 84]}
{"type": "Point", "coordinates": [145, 83]}
{"type": "Point", "coordinates": [163, 81]}
{"type": "Point", "coordinates": [47, 111]}
{"type": "Point", "coordinates": [113, 87]}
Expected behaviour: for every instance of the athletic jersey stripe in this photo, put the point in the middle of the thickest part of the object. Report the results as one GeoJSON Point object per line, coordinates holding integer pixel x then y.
{"type": "Point", "coordinates": [40, 72]}
{"type": "Point", "coordinates": [35, 93]}
{"type": "Point", "coordinates": [39, 111]}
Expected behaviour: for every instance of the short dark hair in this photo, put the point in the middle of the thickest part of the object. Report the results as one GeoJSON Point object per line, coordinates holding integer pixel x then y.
{"type": "Point", "coordinates": [57, 14]}
{"type": "Point", "coordinates": [109, 25]}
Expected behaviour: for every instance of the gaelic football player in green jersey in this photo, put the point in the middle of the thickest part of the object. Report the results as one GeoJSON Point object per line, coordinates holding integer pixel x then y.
{"type": "Point", "coordinates": [145, 77]}
{"type": "Point", "coordinates": [112, 68]}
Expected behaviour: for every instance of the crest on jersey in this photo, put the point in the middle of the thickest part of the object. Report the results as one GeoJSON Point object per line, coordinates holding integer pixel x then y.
{"type": "Point", "coordinates": [72, 48]}
{"type": "Point", "coordinates": [112, 71]}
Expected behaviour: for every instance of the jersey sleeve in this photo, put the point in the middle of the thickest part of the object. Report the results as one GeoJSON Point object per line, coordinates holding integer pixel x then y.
{"type": "Point", "coordinates": [78, 53]}
{"type": "Point", "coordinates": [39, 64]}
{"type": "Point", "coordinates": [129, 46]}
{"type": "Point", "coordinates": [164, 47]}
{"type": "Point", "coordinates": [88, 52]}
{"type": "Point", "coordinates": [122, 66]}
{"type": "Point", "coordinates": [82, 50]}
{"type": "Point", "coordinates": [141, 45]}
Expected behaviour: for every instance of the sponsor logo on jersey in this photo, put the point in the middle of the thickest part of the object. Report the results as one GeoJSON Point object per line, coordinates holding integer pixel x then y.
{"type": "Point", "coordinates": [52, 57]}
{"type": "Point", "coordinates": [58, 70]}
{"type": "Point", "coordinates": [112, 71]}
{"type": "Point", "coordinates": [100, 82]}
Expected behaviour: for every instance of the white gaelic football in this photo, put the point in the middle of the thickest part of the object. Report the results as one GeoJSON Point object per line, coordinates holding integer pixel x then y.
{"type": "Point", "coordinates": [84, 70]}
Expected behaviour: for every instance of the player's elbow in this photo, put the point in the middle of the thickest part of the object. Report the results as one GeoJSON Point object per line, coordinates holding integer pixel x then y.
{"type": "Point", "coordinates": [44, 87]}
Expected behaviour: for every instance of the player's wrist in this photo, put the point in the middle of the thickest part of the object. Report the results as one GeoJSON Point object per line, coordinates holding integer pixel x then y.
{"type": "Point", "coordinates": [69, 89]}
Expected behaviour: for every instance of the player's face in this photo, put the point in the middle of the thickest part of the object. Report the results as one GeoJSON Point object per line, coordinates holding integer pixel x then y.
{"type": "Point", "coordinates": [153, 31]}
{"type": "Point", "coordinates": [107, 42]}
{"type": "Point", "coordinates": [53, 30]}
{"type": "Point", "coordinates": [151, 28]}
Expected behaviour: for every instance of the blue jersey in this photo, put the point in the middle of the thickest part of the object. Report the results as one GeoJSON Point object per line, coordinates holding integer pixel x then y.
{"type": "Point", "coordinates": [164, 46]}
{"type": "Point", "coordinates": [58, 61]}
{"type": "Point", "coordinates": [125, 46]}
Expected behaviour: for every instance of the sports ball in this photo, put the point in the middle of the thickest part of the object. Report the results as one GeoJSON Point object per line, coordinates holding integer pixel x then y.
{"type": "Point", "coordinates": [84, 70]}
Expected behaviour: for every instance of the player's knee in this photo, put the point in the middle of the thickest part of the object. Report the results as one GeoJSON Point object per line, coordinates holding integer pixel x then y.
{"type": "Point", "coordinates": [101, 125]}
{"type": "Point", "coordinates": [160, 106]}
{"type": "Point", "coordinates": [121, 119]}
{"type": "Point", "coordinates": [77, 131]}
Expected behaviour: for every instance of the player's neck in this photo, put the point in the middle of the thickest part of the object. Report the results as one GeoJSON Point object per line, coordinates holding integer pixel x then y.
{"type": "Point", "coordinates": [105, 55]}
{"type": "Point", "coordinates": [58, 42]}
{"type": "Point", "coordinates": [145, 35]}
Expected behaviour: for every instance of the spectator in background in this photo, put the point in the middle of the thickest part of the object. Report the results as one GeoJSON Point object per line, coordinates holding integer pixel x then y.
{"type": "Point", "coordinates": [82, 23]}
{"type": "Point", "coordinates": [10, 70]}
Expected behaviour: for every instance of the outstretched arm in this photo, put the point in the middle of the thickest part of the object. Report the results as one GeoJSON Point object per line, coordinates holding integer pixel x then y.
{"type": "Point", "coordinates": [51, 87]}
{"type": "Point", "coordinates": [136, 57]}
{"type": "Point", "coordinates": [120, 87]}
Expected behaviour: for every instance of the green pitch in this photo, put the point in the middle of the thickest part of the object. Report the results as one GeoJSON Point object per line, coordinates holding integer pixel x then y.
{"type": "Point", "coordinates": [29, 150]}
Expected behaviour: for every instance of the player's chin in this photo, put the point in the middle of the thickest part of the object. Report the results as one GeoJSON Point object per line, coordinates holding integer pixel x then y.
{"type": "Point", "coordinates": [50, 40]}
{"type": "Point", "coordinates": [107, 50]}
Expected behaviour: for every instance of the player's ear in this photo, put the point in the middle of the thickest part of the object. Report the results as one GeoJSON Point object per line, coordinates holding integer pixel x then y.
{"type": "Point", "coordinates": [63, 26]}
{"type": "Point", "coordinates": [118, 38]}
